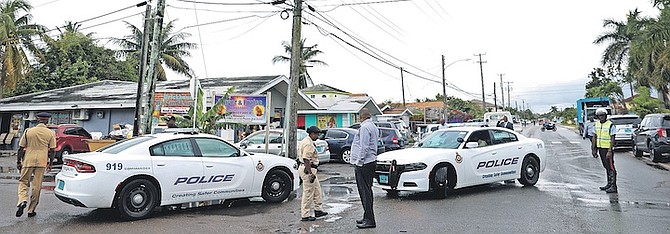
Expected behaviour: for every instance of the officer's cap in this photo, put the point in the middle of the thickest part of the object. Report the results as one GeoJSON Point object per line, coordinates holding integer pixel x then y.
{"type": "Point", "coordinates": [43, 115]}
{"type": "Point", "coordinates": [171, 117]}
{"type": "Point", "coordinates": [313, 129]}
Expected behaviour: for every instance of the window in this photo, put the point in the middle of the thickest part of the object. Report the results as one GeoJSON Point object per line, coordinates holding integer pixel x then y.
{"type": "Point", "coordinates": [312, 96]}
{"type": "Point", "coordinates": [215, 148]}
{"type": "Point", "coordinates": [181, 147]}
{"type": "Point", "coordinates": [258, 138]}
{"type": "Point", "coordinates": [125, 144]}
{"type": "Point", "coordinates": [482, 137]}
{"type": "Point", "coordinates": [665, 121]}
{"type": "Point", "coordinates": [302, 134]}
{"type": "Point", "coordinates": [69, 131]}
{"type": "Point", "coordinates": [500, 137]}
{"type": "Point", "coordinates": [323, 96]}
{"type": "Point", "coordinates": [336, 134]}
{"type": "Point", "coordinates": [275, 138]}
{"type": "Point", "coordinates": [384, 133]}
{"type": "Point", "coordinates": [443, 139]}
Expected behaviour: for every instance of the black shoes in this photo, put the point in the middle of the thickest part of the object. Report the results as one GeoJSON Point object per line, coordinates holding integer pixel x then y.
{"type": "Point", "coordinates": [605, 187]}
{"type": "Point", "coordinates": [20, 207]}
{"type": "Point", "coordinates": [360, 221]}
{"type": "Point", "coordinates": [308, 219]}
{"type": "Point", "coordinates": [32, 214]}
{"type": "Point", "coordinates": [319, 213]}
{"type": "Point", "coordinates": [366, 224]}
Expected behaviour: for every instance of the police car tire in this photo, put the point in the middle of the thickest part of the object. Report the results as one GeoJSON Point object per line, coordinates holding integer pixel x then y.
{"type": "Point", "coordinates": [440, 188]}
{"type": "Point", "coordinates": [282, 180]}
{"type": "Point", "coordinates": [128, 203]}
{"type": "Point", "coordinates": [527, 178]}
{"type": "Point", "coordinates": [637, 152]}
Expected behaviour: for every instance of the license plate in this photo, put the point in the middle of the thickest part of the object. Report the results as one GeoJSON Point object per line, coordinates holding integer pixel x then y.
{"type": "Point", "coordinates": [61, 184]}
{"type": "Point", "coordinates": [628, 130]}
{"type": "Point", "coordinates": [383, 179]}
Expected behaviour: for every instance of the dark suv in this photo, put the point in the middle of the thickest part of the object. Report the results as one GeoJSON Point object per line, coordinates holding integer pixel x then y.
{"type": "Point", "coordinates": [392, 138]}
{"type": "Point", "coordinates": [69, 139]}
{"type": "Point", "coordinates": [652, 136]}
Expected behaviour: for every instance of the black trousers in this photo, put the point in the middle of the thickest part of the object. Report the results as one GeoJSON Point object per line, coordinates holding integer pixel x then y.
{"type": "Point", "coordinates": [608, 164]}
{"type": "Point", "coordinates": [364, 177]}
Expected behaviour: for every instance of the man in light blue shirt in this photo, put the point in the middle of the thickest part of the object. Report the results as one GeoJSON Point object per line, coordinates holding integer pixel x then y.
{"type": "Point", "coordinates": [364, 158]}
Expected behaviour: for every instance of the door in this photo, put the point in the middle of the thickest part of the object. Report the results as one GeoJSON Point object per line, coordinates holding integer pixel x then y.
{"type": "Point", "coordinates": [641, 134]}
{"type": "Point", "coordinates": [275, 144]}
{"type": "Point", "coordinates": [337, 140]}
{"type": "Point", "coordinates": [510, 155]}
{"type": "Point", "coordinates": [227, 174]}
{"type": "Point", "coordinates": [78, 143]}
{"type": "Point", "coordinates": [487, 160]}
{"type": "Point", "coordinates": [254, 143]}
{"type": "Point", "coordinates": [178, 170]}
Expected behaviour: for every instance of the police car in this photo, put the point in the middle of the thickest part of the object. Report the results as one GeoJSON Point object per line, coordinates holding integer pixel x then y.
{"type": "Point", "coordinates": [136, 175]}
{"type": "Point", "coordinates": [461, 157]}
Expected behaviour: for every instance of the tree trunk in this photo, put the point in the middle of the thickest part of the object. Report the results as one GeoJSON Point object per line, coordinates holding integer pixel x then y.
{"type": "Point", "coordinates": [663, 94]}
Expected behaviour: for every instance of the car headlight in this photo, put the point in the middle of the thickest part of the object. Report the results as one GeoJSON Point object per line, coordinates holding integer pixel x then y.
{"type": "Point", "coordinates": [414, 166]}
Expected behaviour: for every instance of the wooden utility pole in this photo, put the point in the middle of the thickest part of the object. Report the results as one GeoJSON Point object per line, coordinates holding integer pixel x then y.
{"type": "Point", "coordinates": [143, 65]}
{"type": "Point", "coordinates": [495, 98]}
{"type": "Point", "coordinates": [502, 91]}
{"type": "Point", "coordinates": [149, 81]}
{"type": "Point", "coordinates": [481, 71]}
{"type": "Point", "coordinates": [292, 99]}
{"type": "Point", "coordinates": [509, 90]}
{"type": "Point", "coordinates": [402, 82]}
{"type": "Point", "coordinates": [444, 92]}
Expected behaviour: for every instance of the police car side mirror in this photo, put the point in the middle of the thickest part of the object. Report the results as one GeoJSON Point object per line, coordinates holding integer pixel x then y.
{"type": "Point", "coordinates": [244, 144]}
{"type": "Point", "coordinates": [471, 145]}
{"type": "Point", "coordinates": [460, 140]}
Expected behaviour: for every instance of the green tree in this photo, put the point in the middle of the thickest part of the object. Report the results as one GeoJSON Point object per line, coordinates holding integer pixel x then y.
{"type": "Point", "coordinates": [307, 59]}
{"type": "Point", "coordinates": [644, 104]}
{"type": "Point", "coordinates": [73, 58]}
{"type": "Point", "coordinates": [173, 49]}
{"type": "Point", "coordinates": [16, 32]}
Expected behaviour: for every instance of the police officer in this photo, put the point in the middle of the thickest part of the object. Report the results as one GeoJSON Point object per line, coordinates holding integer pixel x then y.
{"type": "Point", "coordinates": [311, 188]}
{"type": "Point", "coordinates": [601, 145]}
{"type": "Point", "coordinates": [35, 153]}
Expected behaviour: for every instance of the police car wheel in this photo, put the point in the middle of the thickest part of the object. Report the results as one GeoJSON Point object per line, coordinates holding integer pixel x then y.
{"type": "Point", "coordinates": [530, 171]}
{"type": "Point", "coordinates": [440, 182]}
{"type": "Point", "coordinates": [276, 187]}
{"type": "Point", "coordinates": [137, 199]}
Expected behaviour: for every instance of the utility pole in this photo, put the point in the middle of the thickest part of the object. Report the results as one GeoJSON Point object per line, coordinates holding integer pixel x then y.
{"type": "Point", "coordinates": [509, 99]}
{"type": "Point", "coordinates": [502, 91]}
{"type": "Point", "coordinates": [149, 83]}
{"type": "Point", "coordinates": [495, 98]}
{"type": "Point", "coordinates": [481, 71]}
{"type": "Point", "coordinates": [444, 92]}
{"type": "Point", "coordinates": [516, 105]}
{"type": "Point", "coordinates": [142, 68]}
{"type": "Point", "coordinates": [402, 82]}
{"type": "Point", "coordinates": [291, 101]}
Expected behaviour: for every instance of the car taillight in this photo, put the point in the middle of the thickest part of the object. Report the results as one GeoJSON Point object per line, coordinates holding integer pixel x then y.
{"type": "Point", "coordinates": [661, 132]}
{"type": "Point", "coordinates": [80, 166]}
{"type": "Point", "coordinates": [394, 140]}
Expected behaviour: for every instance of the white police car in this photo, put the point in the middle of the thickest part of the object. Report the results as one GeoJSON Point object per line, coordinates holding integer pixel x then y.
{"type": "Point", "coordinates": [136, 175]}
{"type": "Point", "coordinates": [461, 157]}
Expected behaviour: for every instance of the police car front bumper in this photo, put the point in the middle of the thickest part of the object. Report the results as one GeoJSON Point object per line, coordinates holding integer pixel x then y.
{"type": "Point", "coordinates": [406, 181]}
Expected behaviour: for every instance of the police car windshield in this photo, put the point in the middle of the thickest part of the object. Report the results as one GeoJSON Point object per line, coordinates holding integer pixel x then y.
{"type": "Point", "coordinates": [125, 144]}
{"type": "Point", "coordinates": [443, 139]}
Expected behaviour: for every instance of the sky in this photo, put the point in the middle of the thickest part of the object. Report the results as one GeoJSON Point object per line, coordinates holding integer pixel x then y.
{"type": "Point", "coordinates": [544, 48]}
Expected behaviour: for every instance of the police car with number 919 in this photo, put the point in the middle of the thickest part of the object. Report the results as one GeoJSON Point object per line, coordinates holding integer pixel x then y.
{"type": "Point", "coordinates": [136, 175]}
{"type": "Point", "coordinates": [461, 157]}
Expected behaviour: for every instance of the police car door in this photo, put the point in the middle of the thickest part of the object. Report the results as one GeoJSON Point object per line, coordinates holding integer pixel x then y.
{"type": "Point", "coordinates": [229, 174]}
{"type": "Point", "coordinates": [475, 159]}
{"type": "Point", "coordinates": [510, 154]}
{"type": "Point", "coordinates": [178, 170]}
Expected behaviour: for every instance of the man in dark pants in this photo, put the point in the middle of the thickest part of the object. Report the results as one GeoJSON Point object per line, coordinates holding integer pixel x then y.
{"type": "Point", "coordinates": [364, 158]}
{"type": "Point", "coordinates": [601, 144]}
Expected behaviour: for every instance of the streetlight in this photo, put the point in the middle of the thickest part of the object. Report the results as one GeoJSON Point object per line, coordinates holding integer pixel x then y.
{"type": "Point", "coordinates": [444, 86]}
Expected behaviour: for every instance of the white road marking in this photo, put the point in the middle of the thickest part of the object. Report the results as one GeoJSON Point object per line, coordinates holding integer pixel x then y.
{"type": "Point", "coordinates": [556, 142]}
{"type": "Point", "coordinates": [575, 142]}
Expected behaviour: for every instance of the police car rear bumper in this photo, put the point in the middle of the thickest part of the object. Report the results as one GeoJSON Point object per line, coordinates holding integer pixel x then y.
{"type": "Point", "coordinates": [84, 192]}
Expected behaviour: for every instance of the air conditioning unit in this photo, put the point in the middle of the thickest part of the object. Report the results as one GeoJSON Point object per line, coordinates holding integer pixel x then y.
{"type": "Point", "coordinates": [80, 114]}
{"type": "Point", "coordinates": [29, 115]}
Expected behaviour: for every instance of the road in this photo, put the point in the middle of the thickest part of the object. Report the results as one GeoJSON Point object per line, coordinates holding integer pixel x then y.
{"type": "Point", "coordinates": [566, 199]}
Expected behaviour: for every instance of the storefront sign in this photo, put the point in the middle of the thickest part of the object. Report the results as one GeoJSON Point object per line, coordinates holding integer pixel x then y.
{"type": "Point", "coordinates": [244, 109]}
{"type": "Point", "coordinates": [326, 121]}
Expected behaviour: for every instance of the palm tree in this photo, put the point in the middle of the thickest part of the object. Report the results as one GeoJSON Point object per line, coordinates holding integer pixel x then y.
{"type": "Point", "coordinates": [307, 59]}
{"type": "Point", "coordinates": [16, 32]}
{"type": "Point", "coordinates": [173, 49]}
{"type": "Point", "coordinates": [650, 55]}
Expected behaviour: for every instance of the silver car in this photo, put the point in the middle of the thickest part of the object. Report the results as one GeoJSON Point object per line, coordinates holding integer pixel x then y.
{"type": "Point", "coordinates": [256, 143]}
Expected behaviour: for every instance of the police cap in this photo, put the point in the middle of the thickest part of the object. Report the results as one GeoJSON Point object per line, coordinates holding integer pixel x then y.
{"type": "Point", "coordinates": [171, 117]}
{"type": "Point", "coordinates": [313, 129]}
{"type": "Point", "coordinates": [43, 115]}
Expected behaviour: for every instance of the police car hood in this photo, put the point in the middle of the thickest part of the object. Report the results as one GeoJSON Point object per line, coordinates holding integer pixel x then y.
{"type": "Point", "coordinates": [412, 155]}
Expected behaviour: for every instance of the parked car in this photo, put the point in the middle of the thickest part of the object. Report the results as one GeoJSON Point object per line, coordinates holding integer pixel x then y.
{"type": "Point", "coordinates": [339, 142]}
{"type": "Point", "coordinates": [136, 175]}
{"type": "Point", "coordinates": [624, 125]}
{"type": "Point", "coordinates": [652, 136]}
{"type": "Point", "coordinates": [392, 138]}
{"type": "Point", "coordinates": [461, 157]}
{"type": "Point", "coordinates": [69, 139]}
{"type": "Point", "coordinates": [255, 142]}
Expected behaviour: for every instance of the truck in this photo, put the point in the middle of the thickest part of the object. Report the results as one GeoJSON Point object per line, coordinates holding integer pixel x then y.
{"type": "Point", "coordinates": [586, 109]}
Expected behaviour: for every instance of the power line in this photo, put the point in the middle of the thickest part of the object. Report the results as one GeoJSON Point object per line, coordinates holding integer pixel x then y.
{"type": "Point", "coordinates": [111, 21]}
{"type": "Point", "coordinates": [359, 3]}
{"type": "Point", "coordinates": [234, 3]}
{"type": "Point", "coordinates": [220, 11]}
{"type": "Point", "coordinates": [103, 15]}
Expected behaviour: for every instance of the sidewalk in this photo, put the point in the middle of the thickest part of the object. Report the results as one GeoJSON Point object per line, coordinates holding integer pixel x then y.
{"type": "Point", "coordinates": [646, 159]}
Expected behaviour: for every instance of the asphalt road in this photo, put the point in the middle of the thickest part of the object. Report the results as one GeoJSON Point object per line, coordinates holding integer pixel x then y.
{"type": "Point", "coordinates": [565, 200]}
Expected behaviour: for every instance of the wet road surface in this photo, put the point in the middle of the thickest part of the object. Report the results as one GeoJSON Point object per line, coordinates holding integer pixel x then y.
{"type": "Point", "coordinates": [566, 199]}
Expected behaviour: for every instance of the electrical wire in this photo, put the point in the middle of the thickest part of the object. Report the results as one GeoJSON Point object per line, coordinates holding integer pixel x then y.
{"type": "Point", "coordinates": [230, 3]}
{"type": "Point", "coordinates": [359, 3]}
{"type": "Point", "coordinates": [220, 11]}
{"type": "Point", "coordinates": [103, 15]}
{"type": "Point", "coordinates": [254, 27]}
{"type": "Point", "coordinates": [111, 21]}
{"type": "Point", "coordinates": [431, 7]}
